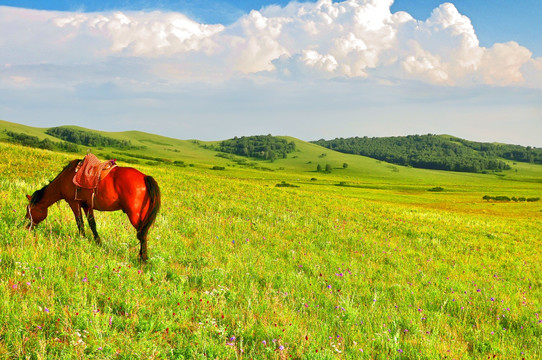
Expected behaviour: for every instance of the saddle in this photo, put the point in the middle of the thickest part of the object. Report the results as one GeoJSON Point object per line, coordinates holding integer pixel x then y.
{"type": "Point", "coordinates": [90, 171]}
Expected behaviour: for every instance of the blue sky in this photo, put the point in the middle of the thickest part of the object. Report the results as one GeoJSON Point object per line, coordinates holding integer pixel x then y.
{"type": "Point", "coordinates": [213, 69]}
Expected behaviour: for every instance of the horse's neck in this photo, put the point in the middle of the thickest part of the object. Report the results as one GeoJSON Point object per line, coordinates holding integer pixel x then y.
{"type": "Point", "coordinates": [51, 195]}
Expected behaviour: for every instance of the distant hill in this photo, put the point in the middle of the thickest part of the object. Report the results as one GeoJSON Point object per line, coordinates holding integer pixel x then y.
{"type": "Point", "coordinates": [281, 153]}
{"type": "Point", "coordinates": [439, 152]}
{"type": "Point", "coordinates": [262, 147]}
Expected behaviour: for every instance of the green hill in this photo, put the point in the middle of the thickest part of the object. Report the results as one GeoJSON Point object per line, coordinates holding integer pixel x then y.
{"type": "Point", "coordinates": [298, 165]}
{"type": "Point", "coordinates": [439, 152]}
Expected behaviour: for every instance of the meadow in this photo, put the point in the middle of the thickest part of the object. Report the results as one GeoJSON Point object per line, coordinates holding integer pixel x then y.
{"type": "Point", "coordinates": [378, 268]}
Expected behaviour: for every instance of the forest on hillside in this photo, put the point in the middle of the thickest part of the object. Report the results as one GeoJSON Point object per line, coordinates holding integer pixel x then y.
{"type": "Point", "coordinates": [87, 138]}
{"type": "Point", "coordinates": [266, 147]}
{"type": "Point", "coordinates": [436, 152]}
{"type": "Point", "coordinates": [34, 141]}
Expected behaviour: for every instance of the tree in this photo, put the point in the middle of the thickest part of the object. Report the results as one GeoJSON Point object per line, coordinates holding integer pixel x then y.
{"type": "Point", "coordinates": [345, 165]}
{"type": "Point", "coordinates": [319, 168]}
{"type": "Point", "coordinates": [328, 168]}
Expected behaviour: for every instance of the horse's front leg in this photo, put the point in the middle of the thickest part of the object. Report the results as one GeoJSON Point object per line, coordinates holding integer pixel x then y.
{"type": "Point", "coordinates": [89, 212]}
{"type": "Point", "coordinates": [76, 208]}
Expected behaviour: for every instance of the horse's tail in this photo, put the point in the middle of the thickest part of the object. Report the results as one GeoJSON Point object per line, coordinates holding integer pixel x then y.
{"type": "Point", "coordinates": [155, 200]}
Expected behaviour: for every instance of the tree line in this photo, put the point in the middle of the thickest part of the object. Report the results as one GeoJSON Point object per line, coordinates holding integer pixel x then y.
{"type": "Point", "coordinates": [433, 152]}
{"type": "Point", "coordinates": [34, 141]}
{"type": "Point", "coordinates": [266, 147]}
{"type": "Point", "coordinates": [87, 138]}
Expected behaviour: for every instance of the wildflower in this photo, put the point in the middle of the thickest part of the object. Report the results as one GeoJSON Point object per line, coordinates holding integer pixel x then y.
{"type": "Point", "coordinates": [281, 348]}
{"type": "Point", "coordinates": [400, 350]}
{"type": "Point", "coordinates": [329, 286]}
{"type": "Point", "coordinates": [85, 279]}
{"type": "Point", "coordinates": [492, 299]}
{"type": "Point", "coordinates": [46, 310]}
{"type": "Point", "coordinates": [232, 338]}
{"type": "Point", "coordinates": [264, 342]}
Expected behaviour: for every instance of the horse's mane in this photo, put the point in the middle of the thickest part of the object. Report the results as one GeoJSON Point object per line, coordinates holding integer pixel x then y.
{"type": "Point", "coordinates": [38, 194]}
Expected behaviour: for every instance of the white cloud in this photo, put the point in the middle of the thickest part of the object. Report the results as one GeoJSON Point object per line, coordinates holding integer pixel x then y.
{"type": "Point", "coordinates": [354, 38]}
{"type": "Point", "coordinates": [156, 51]}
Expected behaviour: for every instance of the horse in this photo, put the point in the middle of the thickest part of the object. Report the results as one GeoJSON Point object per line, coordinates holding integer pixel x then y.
{"type": "Point", "coordinates": [124, 188]}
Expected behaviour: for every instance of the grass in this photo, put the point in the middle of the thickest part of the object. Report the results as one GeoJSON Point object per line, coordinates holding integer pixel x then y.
{"type": "Point", "coordinates": [239, 268]}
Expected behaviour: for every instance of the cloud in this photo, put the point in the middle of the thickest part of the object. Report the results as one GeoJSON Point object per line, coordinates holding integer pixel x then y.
{"type": "Point", "coordinates": [349, 39]}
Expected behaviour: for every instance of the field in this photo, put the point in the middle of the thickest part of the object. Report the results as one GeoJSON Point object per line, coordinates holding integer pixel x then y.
{"type": "Point", "coordinates": [376, 268]}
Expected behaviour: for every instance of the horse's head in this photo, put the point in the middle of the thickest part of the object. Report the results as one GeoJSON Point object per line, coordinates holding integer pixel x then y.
{"type": "Point", "coordinates": [34, 214]}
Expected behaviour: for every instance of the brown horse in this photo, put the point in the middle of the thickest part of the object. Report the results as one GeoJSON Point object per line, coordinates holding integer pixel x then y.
{"type": "Point", "coordinates": [124, 188]}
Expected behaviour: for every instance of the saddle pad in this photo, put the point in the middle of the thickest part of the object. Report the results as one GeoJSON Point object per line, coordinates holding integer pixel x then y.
{"type": "Point", "coordinates": [88, 175]}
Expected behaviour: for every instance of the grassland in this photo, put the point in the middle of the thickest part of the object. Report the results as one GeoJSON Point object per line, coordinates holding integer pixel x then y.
{"type": "Point", "coordinates": [379, 268]}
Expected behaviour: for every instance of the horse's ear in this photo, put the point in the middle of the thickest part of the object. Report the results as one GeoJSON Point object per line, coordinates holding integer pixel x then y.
{"type": "Point", "coordinates": [29, 197]}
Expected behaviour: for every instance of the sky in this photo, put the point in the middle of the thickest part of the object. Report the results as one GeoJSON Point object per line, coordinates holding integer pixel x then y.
{"type": "Point", "coordinates": [215, 69]}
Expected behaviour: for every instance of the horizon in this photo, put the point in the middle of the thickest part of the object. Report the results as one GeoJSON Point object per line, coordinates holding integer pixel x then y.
{"type": "Point", "coordinates": [274, 135]}
{"type": "Point", "coordinates": [310, 70]}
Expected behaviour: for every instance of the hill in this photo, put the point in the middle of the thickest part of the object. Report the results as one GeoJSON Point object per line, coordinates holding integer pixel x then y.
{"type": "Point", "coordinates": [439, 152]}
{"type": "Point", "coordinates": [301, 164]}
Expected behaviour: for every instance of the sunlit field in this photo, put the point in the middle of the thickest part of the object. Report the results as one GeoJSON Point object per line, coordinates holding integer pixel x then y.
{"type": "Point", "coordinates": [377, 268]}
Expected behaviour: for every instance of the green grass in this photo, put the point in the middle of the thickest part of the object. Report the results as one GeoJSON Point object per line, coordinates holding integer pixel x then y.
{"type": "Point", "coordinates": [379, 269]}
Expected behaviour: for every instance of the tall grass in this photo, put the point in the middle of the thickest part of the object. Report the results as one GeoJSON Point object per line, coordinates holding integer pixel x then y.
{"type": "Point", "coordinates": [241, 269]}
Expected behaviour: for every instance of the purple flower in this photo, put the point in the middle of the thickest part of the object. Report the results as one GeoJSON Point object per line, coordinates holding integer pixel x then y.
{"type": "Point", "coordinates": [85, 279]}
{"type": "Point", "coordinates": [46, 310]}
{"type": "Point", "coordinates": [400, 350]}
{"type": "Point", "coordinates": [281, 348]}
{"type": "Point", "coordinates": [232, 338]}
{"type": "Point", "coordinates": [264, 342]}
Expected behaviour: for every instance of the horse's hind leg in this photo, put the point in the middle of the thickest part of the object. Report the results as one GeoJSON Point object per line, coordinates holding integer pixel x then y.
{"type": "Point", "coordinates": [142, 236]}
{"type": "Point", "coordinates": [76, 208]}
{"type": "Point", "coordinates": [89, 212]}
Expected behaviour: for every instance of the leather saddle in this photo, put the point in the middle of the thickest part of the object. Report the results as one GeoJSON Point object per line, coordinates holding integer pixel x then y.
{"type": "Point", "coordinates": [90, 171]}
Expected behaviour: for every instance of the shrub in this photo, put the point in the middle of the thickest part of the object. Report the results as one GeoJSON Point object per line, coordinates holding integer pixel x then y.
{"type": "Point", "coordinates": [285, 184]}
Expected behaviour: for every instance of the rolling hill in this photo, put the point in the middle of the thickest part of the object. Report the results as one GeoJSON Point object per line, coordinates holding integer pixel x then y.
{"type": "Point", "coordinates": [300, 164]}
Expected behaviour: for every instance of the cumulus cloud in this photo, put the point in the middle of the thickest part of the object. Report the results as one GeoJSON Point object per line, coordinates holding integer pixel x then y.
{"type": "Point", "coordinates": [349, 39]}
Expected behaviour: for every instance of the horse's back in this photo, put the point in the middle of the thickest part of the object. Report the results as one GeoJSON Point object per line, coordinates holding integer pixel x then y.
{"type": "Point", "coordinates": [121, 188]}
